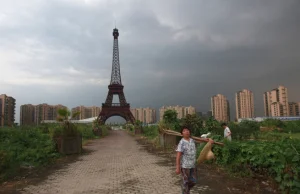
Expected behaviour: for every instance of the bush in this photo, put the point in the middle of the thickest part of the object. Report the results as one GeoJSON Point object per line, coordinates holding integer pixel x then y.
{"type": "Point", "coordinates": [244, 130]}
{"type": "Point", "coordinates": [277, 159]}
{"type": "Point", "coordinates": [150, 131]}
{"type": "Point", "coordinates": [194, 123]}
{"type": "Point", "coordinates": [86, 131]}
{"type": "Point", "coordinates": [291, 127]}
{"type": "Point", "coordinates": [104, 129]}
{"type": "Point", "coordinates": [55, 131]}
{"type": "Point", "coordinates": [272, 123]}
{"type": "Point", "coordinates": [24, 148]}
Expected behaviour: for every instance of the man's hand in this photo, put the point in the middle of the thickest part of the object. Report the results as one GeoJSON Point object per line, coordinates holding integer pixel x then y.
{"type": "Point", "coordinates": [210, 140]}
{"type": "Point", "coordinates": [177, 170]}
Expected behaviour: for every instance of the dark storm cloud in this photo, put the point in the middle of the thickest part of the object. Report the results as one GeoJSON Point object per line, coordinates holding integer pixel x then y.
{"type": "Point", "coordinates": [171, 52]}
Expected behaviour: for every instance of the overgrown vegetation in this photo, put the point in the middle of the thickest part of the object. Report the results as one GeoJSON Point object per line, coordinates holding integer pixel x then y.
{"type": "Point", "coordinates": [151, 132]}
{"type": "Point", "coordinates": [278, 159]}
{"type": "Point", "coordinates": [29, 147]}
{"type": "Point", "coordinates": [104, 129]}
{"type": "Point", "coordinates": [24, 149]}
{"type": "Point", "coordinates": [272, 153]}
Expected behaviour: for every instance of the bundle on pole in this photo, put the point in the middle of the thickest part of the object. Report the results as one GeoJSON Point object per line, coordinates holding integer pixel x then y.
{"type": "Point", "coordinates": [197, 139]}
{"type": "Point", "coordinates": [206, 153]}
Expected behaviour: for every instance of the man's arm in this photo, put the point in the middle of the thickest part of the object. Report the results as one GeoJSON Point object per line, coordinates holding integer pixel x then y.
{"type": "Point", "coordinates": [207, 140]}
{"type": "Point", "coordinates": [179, 154]}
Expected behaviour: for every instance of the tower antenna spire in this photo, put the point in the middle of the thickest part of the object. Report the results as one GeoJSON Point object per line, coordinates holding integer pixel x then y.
{"type": "Point", "coordinates": [115, 23]}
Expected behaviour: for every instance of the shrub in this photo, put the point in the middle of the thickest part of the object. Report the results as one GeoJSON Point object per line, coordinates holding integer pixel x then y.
{"type": "Point", "coordinates": [20, 148]}
{"type": "Point", "coordinates": [272, 123]}
{"type": "Point", "coordinates": [105, 129]}
{"type": "Point", "coordinates": [86, 131]}
{"type": "Point", "coordinates": [291, 126]}
{"type": "Point", "coordinates": [150, 131]}
{"type": "Point", "coordinates": [244, 130]}
{"type": "Point", "coordinates": [194, 123]}
{"type": "Point", "coordinates": [277, 159]}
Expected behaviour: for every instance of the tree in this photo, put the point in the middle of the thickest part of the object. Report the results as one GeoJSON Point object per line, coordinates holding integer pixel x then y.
{"type": "Point", "coordinates": [170, 116]}
{"type": "Point", "coordinates": [65, 117]}
{"type": "Point", "coordinates": [212, 125]}
{"type": "Point", "coordinates": [170, 119]}
{"type": "Point", "coordinates": [194, 123]}
{"type": "Point", "coordinates": [138, 123]}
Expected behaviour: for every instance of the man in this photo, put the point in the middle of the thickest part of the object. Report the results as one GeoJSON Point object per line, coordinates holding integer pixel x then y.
{"type": "Point", "coordinates": [227, 132]}
{"type": "Point", "coordinates": [186, 159]}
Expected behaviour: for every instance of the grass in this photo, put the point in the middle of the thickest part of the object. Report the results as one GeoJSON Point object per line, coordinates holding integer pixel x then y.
{"type": "Point", "coordinates": [292, 135]}
{"type": "Point", "coordinates": [295, 135]}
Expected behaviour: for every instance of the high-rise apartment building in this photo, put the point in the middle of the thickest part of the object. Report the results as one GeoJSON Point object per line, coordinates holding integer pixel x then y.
{"type": "Point", "coordinates": [7, 110]}
{"type": "Point", "coordinates": [244, 102]}
{"type": "Point", "coordinates": [276, 102]}
{"type": "Point", "coordinates": [145, 115]}
{"type": "Point", "coordinates": [95, 111]}
{"type": "Point", "coordinates": [220, 108]}
{"type": "Point", "coordinates": [189, 110]}
{"type": "Point", "coordinates": [27, 114]}
{"type": "Point", "coordinates": [137, 113]}
{"type": "Point", "coordinates": [46, 112]}
{"type": "Point", "coordinates": [86, 112]}
{"type": "Point", "coordinates": [35, 114]}
{"type": "Point", "coordinates": [182, 111]}
{"type": "Point", "coordinates": [294, 109]}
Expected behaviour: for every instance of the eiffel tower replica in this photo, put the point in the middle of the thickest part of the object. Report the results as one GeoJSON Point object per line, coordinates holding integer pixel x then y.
{"type": "Point", "coordinates": [115, 87]}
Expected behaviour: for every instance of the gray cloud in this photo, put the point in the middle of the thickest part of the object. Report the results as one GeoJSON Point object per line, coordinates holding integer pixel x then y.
{"type": "Point", "coordinates": [172, 52]}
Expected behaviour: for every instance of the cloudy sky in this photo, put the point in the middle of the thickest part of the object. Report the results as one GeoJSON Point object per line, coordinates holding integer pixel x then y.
{"type": "Point", "coordinates": [171, 51]}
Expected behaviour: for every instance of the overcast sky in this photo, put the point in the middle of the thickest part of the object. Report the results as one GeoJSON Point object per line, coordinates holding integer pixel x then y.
{"type": "Point", "coordinates": [171, 51]}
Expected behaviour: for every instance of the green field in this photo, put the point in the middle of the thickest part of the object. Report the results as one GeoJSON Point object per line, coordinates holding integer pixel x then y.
{"type": "Point", "coordinates": [296, 135]}
{"type": "Point", "coordinates": [292, 135]}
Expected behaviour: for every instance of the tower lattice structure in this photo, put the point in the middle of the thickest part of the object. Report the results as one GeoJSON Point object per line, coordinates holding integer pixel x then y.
{"type": "Point", "coordinates": [115, 87]}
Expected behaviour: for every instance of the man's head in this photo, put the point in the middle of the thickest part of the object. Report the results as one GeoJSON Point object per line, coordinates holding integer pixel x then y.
{"type": "Point", "coordinates": [224, 125]}
{"type": "Point", "coordinates": [186, 132]}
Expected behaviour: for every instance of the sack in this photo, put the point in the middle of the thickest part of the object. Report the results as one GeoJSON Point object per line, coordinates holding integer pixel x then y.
{"type": "Point", "coordinates": [206, 153]}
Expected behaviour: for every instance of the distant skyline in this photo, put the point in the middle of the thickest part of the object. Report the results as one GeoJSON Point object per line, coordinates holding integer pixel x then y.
{"type": "Point", "coordinates": [172, 52]}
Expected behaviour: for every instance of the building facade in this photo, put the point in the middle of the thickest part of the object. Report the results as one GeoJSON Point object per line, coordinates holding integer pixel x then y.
{"type": "Point", "coordinates": [220, 108]}
{"type": "Point", "coordinates": [145, 115]}
{"type": "Point", "coordinates": [294, 109]}
{"type": "Point", "coordinates": [244, 102]}
{"type": "Point", "coordinates": [181, 111]}
{"type": "Point", "coordinates": [46, 112]}
{"type": "Point", "coordinates": [27, 114]}
{"type": "Point", "coordinates": [86, 112]}
{"type": "Point", "coordinates": [7, 110]}
{"type": "Point", "coordinates": [35, 114]}
{"type": "Point", "coordinates": [276, 102]}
